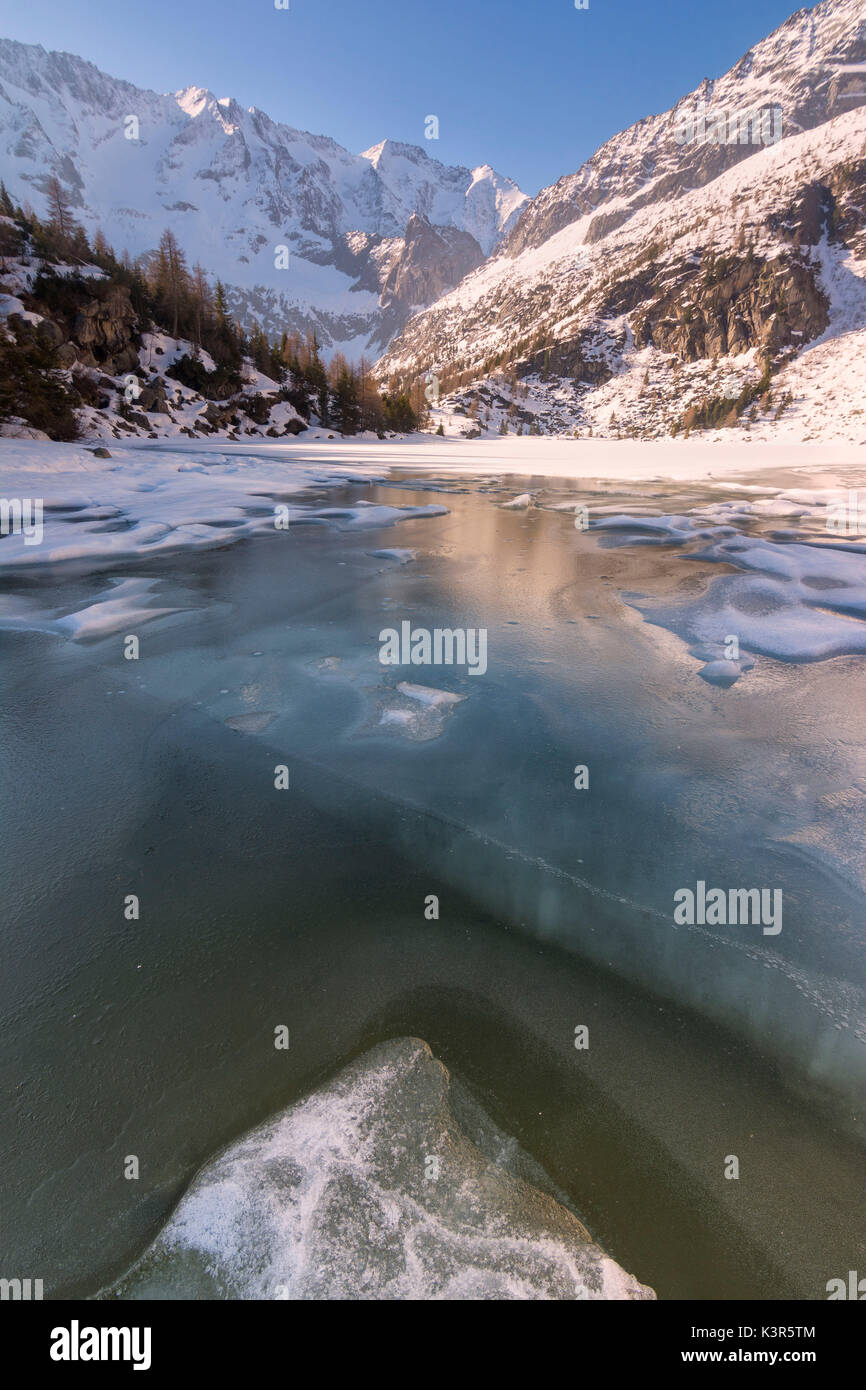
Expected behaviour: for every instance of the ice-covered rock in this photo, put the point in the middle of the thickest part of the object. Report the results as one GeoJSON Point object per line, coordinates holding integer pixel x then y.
{"type": "Point", "coordinates": [389, 1182]}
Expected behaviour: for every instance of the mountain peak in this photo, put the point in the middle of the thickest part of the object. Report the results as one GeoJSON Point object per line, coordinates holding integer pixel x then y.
{"type": "Point", "coordinates": [234, 185]}
{"type": "Point", "coordinates": [193, 100]}
{"type": "Point", "coordinates": [389, 150]}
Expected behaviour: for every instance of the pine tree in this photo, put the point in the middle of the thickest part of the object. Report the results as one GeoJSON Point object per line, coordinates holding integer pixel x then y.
{"type": "Point", "coordinates": [101, 250]}
{"type": "Point", "coordinates": [276, 369]}
{"type": "Point", "coordinates": [372, 414]}
{"type": "Point", "coordinates": [10, 243]}
{"type": "Point", "coordinates": [225, 343]}
{"type": "Point", "coordinates": [313, 372]}
{"type": "Point", "coordinates": [221, 306]}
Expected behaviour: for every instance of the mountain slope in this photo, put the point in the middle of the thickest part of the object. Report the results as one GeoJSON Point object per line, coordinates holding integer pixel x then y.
{"type": "Point", "coordinates": [809, 70]}
{"type": "Point", "coordinates": [666, 284]}
{"type": "Point", "coordinates": [235, 185]}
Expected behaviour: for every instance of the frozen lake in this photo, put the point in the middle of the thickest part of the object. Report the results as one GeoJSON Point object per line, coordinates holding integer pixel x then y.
{"type": "Point", "coordinates": [262, 906]}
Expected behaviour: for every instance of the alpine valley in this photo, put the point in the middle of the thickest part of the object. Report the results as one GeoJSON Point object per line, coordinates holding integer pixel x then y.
{"type": "Point", "coordinates": [703, 271]}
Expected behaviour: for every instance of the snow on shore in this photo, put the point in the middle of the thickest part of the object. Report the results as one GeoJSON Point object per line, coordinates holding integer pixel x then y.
{"type": "Point", "coordinates": [187, 480]}
{"type": "Point", "coordinates": [146, 500]}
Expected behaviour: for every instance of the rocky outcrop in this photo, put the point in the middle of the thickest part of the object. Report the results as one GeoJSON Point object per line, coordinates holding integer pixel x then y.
{"type": "Point", "coordinates": [223, 417]}
{"type": "Point", "coordinates": [106, 329]}
{"type": "Point", "coordinates": [95, 326]}
{"type": "Point", "coordinates": [585, 359]}
{"type": "Point", "coordinates": [731, 304]}
{"type": "Point", "coordinates": [834, 208]}
{"type": "Point", "coordinates": [152, 398]}
{"type": "Point", "coordinates": [432, 262]}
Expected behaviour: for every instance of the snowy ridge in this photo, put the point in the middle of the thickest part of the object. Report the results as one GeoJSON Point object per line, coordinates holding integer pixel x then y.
{"type": "Point", "coordinates": [233, 185]}
{"type": "Point", "coordinates": [579, 323]}
{"type": "Point", "coordinates": [810, 69]}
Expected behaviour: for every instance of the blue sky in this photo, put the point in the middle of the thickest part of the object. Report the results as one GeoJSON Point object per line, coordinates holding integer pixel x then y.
{"type": "Point", "coordinates": [532, 87]}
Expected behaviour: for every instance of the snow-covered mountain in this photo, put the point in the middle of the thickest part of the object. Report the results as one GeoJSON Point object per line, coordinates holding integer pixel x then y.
{"type": "Point", "coordinates": [809, 70]}
{"type": "Point", "coordinates": [706, 266]}
{"type": "Point", "coordinates": [235, 186]}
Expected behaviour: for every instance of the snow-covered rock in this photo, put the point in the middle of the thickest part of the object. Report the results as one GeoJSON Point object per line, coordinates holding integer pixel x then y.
{"type": "Point", "coordinates": [390, 1182]}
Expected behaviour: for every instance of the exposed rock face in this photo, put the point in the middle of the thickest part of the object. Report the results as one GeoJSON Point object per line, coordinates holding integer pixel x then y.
{"type": "Point", "coordinates": [389, 1182]}
{"type": "Point", "coordinates": [106, 329]}
{"type": "Point", "coordinates": [258, 408]}
{"type": "Point", "coordinates": [67, 355]}
{"type": "Point", "coordinates": [732, 305]}
{"type": "Point", "coordinates": [418, 269]}
{"type": "Point", "coordinates": [220, 417]}
{"type": "Point", "coordinates": [585, 359]}
{"type": "Point", "coordinates": [153, 399]}
{"type": "Point", "coordinates": [433, 260]}
{"type": "Point", "coordinates": [99, 330]}
{"type": "Point", "coordinates": [225, 416]}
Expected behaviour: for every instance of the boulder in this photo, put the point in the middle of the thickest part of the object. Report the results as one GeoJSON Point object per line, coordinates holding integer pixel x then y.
{"type": "Point", "coordinates": [258, 409]}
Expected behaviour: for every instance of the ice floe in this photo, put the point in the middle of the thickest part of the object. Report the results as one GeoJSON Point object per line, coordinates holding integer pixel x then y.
{"type": "Point", "coordinates": [164, 500]}
{"type": "Point", "coordinates": [415, 712]}
{"type": "Point", "coordinates": [800, 594]}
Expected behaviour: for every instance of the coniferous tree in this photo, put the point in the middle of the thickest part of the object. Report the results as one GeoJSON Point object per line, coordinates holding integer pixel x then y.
{"type": "Point", "coordinates": [344, 388]}
{"type": "Point", "coordinates": [313, 371]}
{"type": "Point", "coordinates": [202, 305]}
{"type": "Point", "coordinates": [102, 253]}
{"type": "Point", "coordinates": [171, 280]}
{"type": "Point", "coordinates": [372, 413]}
{"type": "Point", "coordinates": [59, 211]}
